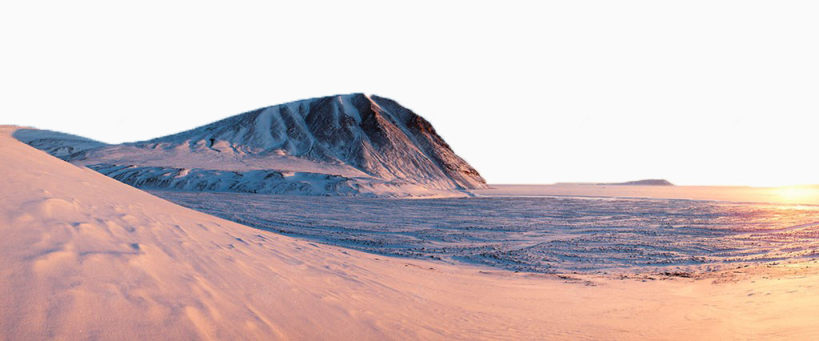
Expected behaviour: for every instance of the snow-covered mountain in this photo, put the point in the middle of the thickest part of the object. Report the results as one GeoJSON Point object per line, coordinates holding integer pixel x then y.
{"type": "Point", "coordinates": [337, 145]}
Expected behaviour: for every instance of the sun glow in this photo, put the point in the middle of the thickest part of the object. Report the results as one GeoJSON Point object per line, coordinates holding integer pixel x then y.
{"type": "Point", "coordinates": [797, 194]}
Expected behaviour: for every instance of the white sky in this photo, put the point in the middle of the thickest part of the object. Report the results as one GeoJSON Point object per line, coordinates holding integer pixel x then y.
{"type": "Point", "coordinates": [697, 92]}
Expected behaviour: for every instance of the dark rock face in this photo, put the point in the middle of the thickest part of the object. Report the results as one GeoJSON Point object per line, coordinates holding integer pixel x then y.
{"type": "Point", "coordinates": [373, 134]}
{"type": "Point", "coordinates": [433, 145]}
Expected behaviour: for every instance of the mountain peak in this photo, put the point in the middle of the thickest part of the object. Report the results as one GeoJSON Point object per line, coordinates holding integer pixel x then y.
{"type": "Point", "coordinates": [353, 136]}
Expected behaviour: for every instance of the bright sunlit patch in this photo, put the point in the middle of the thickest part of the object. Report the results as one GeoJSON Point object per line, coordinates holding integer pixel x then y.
{"type": "Point", "coordinates": [797, 194]}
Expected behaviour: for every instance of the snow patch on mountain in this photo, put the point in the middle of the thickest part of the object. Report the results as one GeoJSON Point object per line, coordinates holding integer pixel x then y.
{"type": "Point", "coordinates": [261, 181]}
{"type": "Point", "coordinates": [362, 144]}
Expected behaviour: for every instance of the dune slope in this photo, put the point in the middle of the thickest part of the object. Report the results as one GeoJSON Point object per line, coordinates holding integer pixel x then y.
{"type": "Point", "coordinates": [83, 256]}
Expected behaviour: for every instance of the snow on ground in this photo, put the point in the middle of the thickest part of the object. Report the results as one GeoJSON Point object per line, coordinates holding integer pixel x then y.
{"type": "Point", "coordinates": [83, 256]}
{"type": "Point", "coordinates": [536, 234]}
{"type": "Point", "coordinates": [807, 195]}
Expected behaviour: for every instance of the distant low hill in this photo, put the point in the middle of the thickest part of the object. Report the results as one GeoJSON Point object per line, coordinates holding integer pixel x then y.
{"type": "Point", "coordinates": [646, 182]}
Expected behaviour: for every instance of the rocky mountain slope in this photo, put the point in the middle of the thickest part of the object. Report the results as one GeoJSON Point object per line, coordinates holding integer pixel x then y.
{"type": "Point", "coordinates": [58, 144]}
{"type": "Point", "coordinates": [337, 145]}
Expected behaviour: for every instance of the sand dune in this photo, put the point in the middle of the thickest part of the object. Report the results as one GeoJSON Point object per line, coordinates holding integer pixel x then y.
{"type": "Point", "coordinates": [83, 256]}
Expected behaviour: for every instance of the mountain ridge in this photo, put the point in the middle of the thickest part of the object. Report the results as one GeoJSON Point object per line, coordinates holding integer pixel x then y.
{"type": "Point", "coordinates": [370, 143]}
